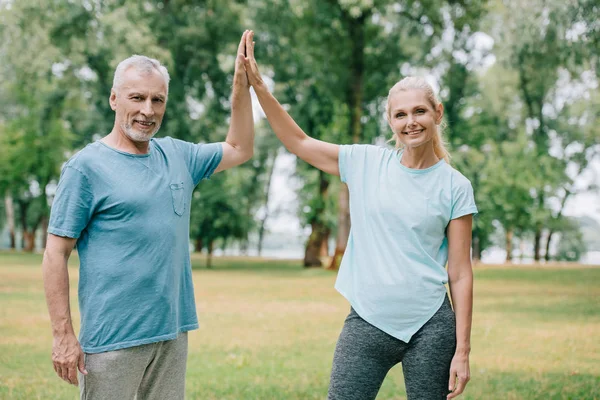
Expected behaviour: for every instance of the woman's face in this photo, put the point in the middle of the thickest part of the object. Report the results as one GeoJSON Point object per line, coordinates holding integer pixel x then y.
{"type": "Point", "coordinates": [413, 118]}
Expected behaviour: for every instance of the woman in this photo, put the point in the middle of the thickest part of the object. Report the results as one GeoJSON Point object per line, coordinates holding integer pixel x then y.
{"type": "Point", "coordinates": [411, 213]}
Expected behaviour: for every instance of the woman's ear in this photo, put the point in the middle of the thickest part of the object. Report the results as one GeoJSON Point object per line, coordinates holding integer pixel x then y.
{"type": "Point", "coordinates": [439, 113]}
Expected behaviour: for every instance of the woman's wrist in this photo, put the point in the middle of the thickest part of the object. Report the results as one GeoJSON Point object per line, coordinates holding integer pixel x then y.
{"type": "Point", "coordinates": [463, 350]}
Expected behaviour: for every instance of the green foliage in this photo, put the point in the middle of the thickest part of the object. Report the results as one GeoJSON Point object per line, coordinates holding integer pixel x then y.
{"type": "Point", "coordinates": [513, 129]}
{"type": "Point", "coordinates": [571, 246]}
{"type": "Point", "coordinates": [216, 214]}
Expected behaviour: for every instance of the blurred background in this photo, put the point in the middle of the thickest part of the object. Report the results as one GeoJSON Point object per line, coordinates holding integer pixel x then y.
{"type": "Point", "coordinates": [519, 82]}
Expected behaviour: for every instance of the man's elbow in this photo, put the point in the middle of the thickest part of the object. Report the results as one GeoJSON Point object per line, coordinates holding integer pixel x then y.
{"type": "Point", "coordinates": [246, 156]}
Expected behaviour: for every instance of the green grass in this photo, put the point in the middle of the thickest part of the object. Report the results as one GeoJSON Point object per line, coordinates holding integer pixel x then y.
{"type": "Point", "coordinates": [268, 331]}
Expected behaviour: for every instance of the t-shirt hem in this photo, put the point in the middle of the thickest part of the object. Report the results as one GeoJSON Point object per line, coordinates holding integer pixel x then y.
{"type": "Point", "coordinates": [466, 211]}
{"type": "Point", "coordinates": [213, 168]}
{"type": "Point", "coordinates": [405, 337]}
{"type": "Point", "coordinates": [63, 232]}
{"type": "Point", "coordinates": [342, 163]}
{"type": "Point", "coordinates": [140, 342]}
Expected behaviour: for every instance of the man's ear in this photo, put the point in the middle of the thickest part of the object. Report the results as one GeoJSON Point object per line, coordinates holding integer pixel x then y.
{"type": "Point", "coordinates": [113, 99]}
{"type": "Point", "coordinates": [439, 114]}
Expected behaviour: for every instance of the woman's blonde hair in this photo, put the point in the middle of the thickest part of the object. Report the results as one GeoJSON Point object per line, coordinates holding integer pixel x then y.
{"type": "Point", "coordinates": [413, 82]}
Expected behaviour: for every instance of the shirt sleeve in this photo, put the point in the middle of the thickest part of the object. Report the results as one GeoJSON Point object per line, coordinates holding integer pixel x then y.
{"type": "Point", "coordinates": [73, 204]}
{"type": "Point", "coordinates": [463, 200]}
{"type": "Point", "coordinates": [351, 158]}
{"type": "Point", "coordinates": [202, 158]}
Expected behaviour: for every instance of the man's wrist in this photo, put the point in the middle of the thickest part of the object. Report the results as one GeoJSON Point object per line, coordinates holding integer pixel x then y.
{"type": "Point", "coordinates": [61, 329]}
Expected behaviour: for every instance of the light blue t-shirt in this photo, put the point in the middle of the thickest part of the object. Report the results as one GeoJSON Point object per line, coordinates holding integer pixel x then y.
{"type": "Point", "coordinates": [130, 215]}
{"type": "Point", "coordinates": [394, 269]}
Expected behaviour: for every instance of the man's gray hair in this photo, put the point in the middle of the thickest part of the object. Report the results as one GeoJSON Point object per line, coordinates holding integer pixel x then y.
{"type": "Point", "coordinates": [141, 64]}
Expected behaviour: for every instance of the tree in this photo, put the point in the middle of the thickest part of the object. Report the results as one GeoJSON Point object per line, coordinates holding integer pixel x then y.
{"type": "Point", "coordinates": [216, 215]}
{"type": "Point", "coordinates": [537, 38]}
{"type": "Point", "coordinates": [349, 51]}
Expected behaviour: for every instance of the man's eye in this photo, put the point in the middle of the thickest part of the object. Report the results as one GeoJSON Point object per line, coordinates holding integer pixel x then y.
{"type": "Point", "coordinates": [159, 100]}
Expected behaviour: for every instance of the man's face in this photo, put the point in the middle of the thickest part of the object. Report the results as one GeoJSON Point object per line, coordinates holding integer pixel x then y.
{"type": "Point", "coordinates": [139, 104]}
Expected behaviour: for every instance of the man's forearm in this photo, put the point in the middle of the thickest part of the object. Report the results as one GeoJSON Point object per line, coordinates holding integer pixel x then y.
{"type": "Point", "coordinates": [56, 286]}
{"type": "Point", "coordinates": [241, 128]}
{"type": "Point", "coordinates": [461, 291]}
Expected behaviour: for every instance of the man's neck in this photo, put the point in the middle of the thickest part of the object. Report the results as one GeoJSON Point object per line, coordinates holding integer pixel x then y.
{"type": "Point", "coordinates": [120, 141]}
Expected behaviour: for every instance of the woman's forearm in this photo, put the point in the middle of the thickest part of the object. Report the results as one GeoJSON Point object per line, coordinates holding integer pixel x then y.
{"type": "Point", "coordinates": [461, 291]}
{"type": "Point", "coordinates": [286, 129]}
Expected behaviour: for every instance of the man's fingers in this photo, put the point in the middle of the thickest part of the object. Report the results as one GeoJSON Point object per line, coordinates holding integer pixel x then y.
{"type": "Point", "coordinates": [242, 45]}
{"type": "Point", "coordinates": [73, 375]}
{"type": "Point", "coordinates": [81, 364]}
{"type": "Point", "coordinates": [64, 373]}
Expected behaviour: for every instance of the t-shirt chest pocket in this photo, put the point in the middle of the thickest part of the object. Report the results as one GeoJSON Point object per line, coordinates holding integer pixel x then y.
{"type": "Point", "coordinates": [178, 197]}
{"type": "Point", "coordinates": [414, 210]}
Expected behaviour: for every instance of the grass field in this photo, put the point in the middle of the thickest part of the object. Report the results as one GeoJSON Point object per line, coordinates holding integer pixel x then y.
{"type": "Point", "coordinates": [268, 331]}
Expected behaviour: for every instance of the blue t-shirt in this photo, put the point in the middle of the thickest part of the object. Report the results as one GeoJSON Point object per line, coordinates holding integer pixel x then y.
{"type": "Point", "coordinates": [394, 269]}
{"type": "Point", "coordinates": [130, 214]}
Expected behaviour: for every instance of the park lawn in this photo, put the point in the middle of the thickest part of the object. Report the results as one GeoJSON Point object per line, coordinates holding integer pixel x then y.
{"type": "Point", "coordinates": [268, 331]}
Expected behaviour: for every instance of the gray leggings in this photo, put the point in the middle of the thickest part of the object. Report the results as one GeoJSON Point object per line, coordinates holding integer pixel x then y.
{"type": "Point", "coordinates": [364, 355]}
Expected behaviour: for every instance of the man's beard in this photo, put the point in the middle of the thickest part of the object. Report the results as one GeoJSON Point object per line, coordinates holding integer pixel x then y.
{"type": "Point", "coordinates": [138, 136]}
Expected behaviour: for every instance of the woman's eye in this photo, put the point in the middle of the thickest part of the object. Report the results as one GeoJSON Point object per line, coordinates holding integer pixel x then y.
{"type": "Point", "coordinates": [420, 111]}
{"type": "Point", "coordinates": [399, 115]}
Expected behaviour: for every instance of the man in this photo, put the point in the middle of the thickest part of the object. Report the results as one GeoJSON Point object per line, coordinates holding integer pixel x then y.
{"type": "Point", "coordinates": [125, 200]}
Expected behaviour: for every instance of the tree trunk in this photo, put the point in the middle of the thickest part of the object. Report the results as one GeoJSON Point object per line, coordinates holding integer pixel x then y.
{"type": "Point", "coordinates": [563, 203]}
{"type": "Point", "coordinates": [199, 245]}
{"type": "Point", "coordinates": [356, 29]}
{"type": "Point", "coordinates": [343, 228]}
{"type": "Point", "coordinates": [28, 241]}
{"type": "Point", "coordinates": [509, 238]}
{"type": "Point", "coordinates": [267, 190]}
{"type": "Point", "coordinates": [10, 219]}
{"type": "Point", "coordinates": [548, 241]}
{"type": "Point", "coordinates": [209, 255]}
{"type": "Point", "coordinates": [537, 243]}
{"type": "Point", "coordinates": [476, 250]}
{"type": "Point", "coordinates": [325, 244]}
{"type": "Point", "coordinates": [44, 227]}
{"type": "Point", "coordinates": [319, 229]}
{"type": "Point", "coordinates": [314, 246]}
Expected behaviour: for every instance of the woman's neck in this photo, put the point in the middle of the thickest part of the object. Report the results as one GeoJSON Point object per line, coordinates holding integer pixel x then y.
{"type": "Point", "coordinates": [421, 157]}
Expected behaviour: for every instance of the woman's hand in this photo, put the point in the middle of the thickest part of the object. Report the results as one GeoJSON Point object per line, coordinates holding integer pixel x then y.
{"type": "Point", "coordinates": [252, 72]}
{"type": "Point", "coordinates": [459, 375]}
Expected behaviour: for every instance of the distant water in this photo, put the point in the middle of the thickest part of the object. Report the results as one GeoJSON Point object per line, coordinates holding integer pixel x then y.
{"type": "Point", "coordinates": [490, 256]}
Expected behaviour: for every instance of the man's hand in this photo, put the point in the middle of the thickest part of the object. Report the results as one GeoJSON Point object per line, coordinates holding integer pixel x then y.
{"type": "Point", "coordinates": [67, 357]}
{"type": "Point", "coordinates": [239, 76]}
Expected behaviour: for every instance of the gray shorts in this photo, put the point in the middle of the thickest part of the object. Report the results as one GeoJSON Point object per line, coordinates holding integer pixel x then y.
{"type": "Point", "coordinates": [364, 354]}
{"type": "Point", "coordinates": [154, 371]}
